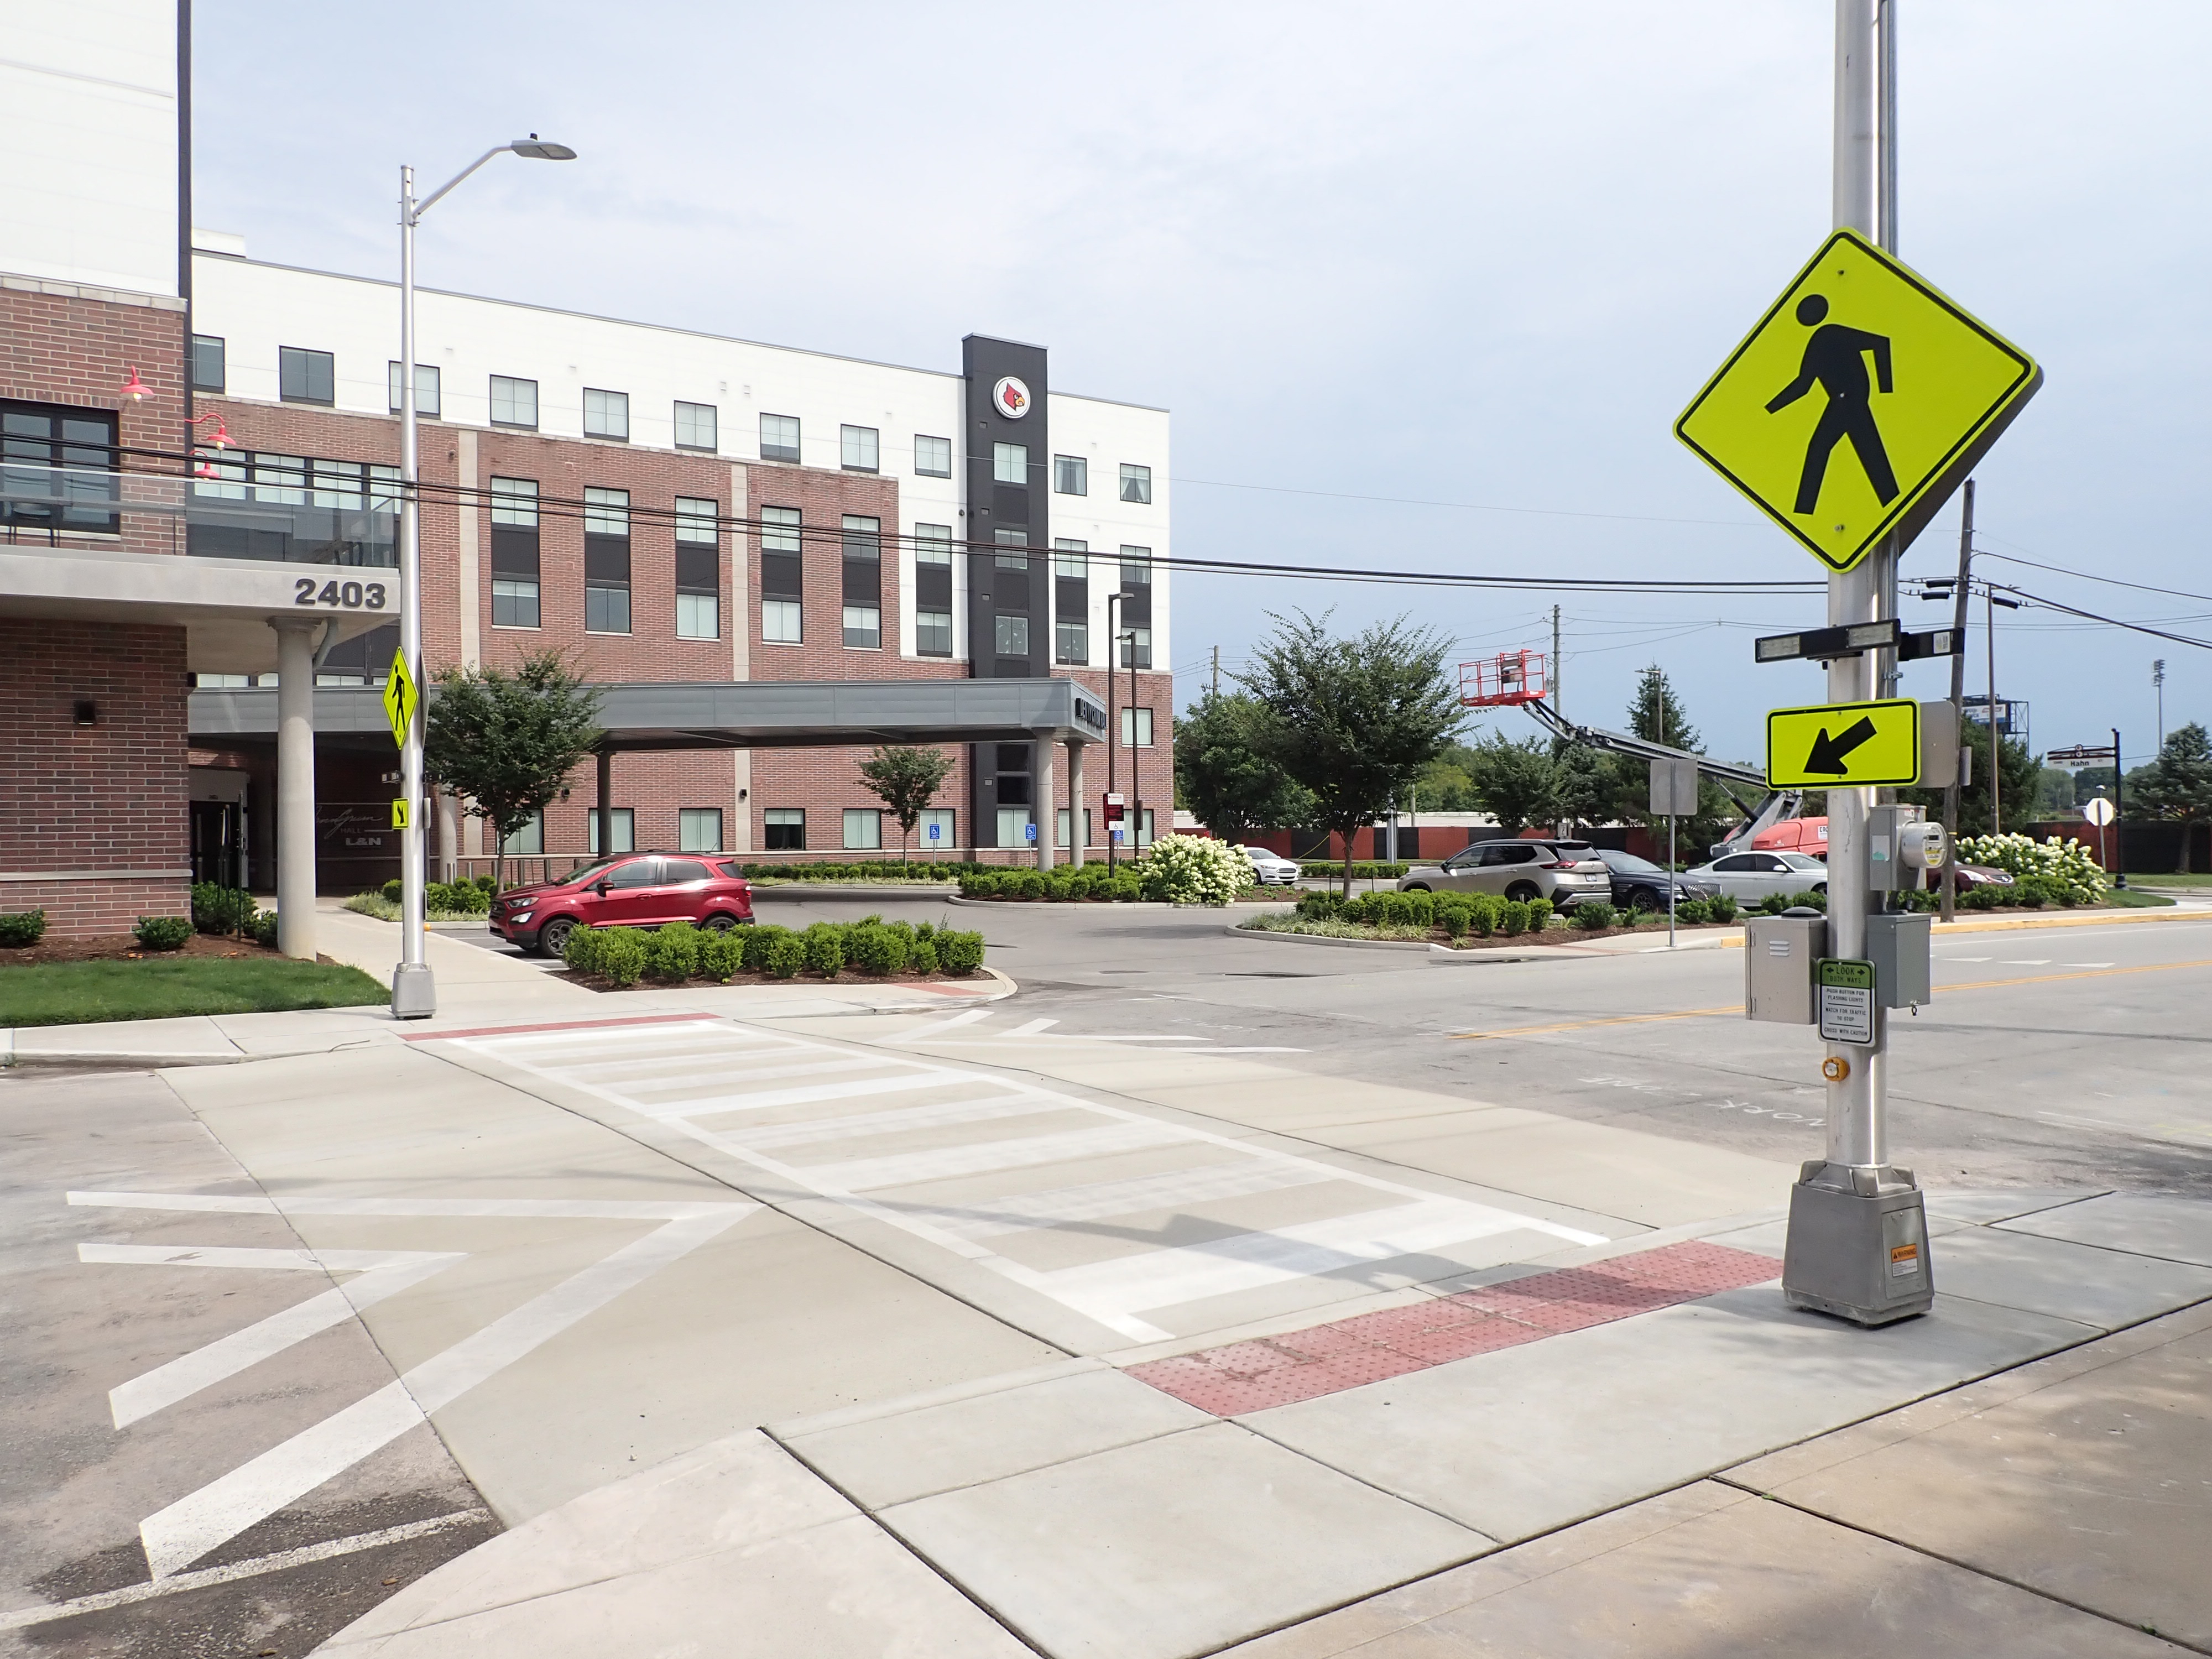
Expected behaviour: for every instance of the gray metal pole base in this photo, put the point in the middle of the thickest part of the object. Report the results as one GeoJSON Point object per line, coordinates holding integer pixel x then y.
{"type": "Point", "coordinates": [414, 991]}
{"type": "Point", "coordinates": [1858, 1244]}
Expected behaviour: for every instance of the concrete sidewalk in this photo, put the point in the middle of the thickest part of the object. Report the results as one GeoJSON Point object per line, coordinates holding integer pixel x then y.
{"type": "Point", "coordinates": [476, 989]}
{"type": "Point", "coordinates": [2021, 1471]}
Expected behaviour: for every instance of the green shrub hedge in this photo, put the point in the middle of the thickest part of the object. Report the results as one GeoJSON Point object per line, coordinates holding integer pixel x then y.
{"type": "Point", "coordinates": [163, 933]}
{"type": "Point", "coordinates": [23, 927]}
{"type": "Point", "coordinates": [679, 951]}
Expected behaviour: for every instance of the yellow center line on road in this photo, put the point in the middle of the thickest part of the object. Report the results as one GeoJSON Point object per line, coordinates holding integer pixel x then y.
{"type": "Point", "coordinates": [1737, 1008]}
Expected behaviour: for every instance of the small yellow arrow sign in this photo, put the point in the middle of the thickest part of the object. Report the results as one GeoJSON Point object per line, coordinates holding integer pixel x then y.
{"type": "Point", "coordinates": [400, 698]}
{"type": "Point", "coordinates": [1844, 745]}
{"type": "Point", "coordinates": [400, 816]}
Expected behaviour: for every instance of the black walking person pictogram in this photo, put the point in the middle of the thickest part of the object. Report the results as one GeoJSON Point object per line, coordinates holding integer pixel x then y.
{"type": "Point", "coordinates": [1835, 358]}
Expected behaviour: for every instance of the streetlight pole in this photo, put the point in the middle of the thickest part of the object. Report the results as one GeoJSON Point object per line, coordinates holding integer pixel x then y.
{"type": "Point", "coordinates": [413, 987]}
{"type": "Point", "coordinates": [1113, 726]}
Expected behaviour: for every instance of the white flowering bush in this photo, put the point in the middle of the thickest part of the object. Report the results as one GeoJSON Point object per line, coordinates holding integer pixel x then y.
{"type": "Point", "coordinates": [1196, 870]}
{"type": "Point", "coordinates": [2068, 864]}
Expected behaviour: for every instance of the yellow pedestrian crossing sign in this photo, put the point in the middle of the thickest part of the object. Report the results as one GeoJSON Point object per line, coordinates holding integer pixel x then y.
{"type": "Point", "coordinates": [1858, 403]}
{"type": "Point", "coordinates": [1844, 745]}
{"type": "Point", "coordinates": [402, 818]}
{"type": "Point", "coordinates": [400, 697]}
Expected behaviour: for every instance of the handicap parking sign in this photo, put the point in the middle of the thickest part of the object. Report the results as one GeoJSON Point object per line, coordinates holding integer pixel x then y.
{"type": "Point", "coordinates": [935, 830]}
{"type": "Point", "coordinates": [1031, 829]}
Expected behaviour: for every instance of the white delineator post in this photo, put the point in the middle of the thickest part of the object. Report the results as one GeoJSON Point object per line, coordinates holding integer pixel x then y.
{"type": "Point", "coordinates": [296, 786]}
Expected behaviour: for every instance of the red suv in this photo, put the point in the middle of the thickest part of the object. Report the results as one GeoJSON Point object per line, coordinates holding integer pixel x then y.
{"type": "Point", "coordinates": [636, 890]}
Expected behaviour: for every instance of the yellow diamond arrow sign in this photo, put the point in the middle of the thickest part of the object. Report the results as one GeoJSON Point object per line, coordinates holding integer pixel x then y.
{"type": "Point", "coordinates": [400, 697]}
{"type": "Point", "coordinates": [1858, 403]}
{"type": "Point", "coordinates": [1844, 745]}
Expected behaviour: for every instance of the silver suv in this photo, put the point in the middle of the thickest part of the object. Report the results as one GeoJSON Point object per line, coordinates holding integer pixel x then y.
{"type": "Point", "coordinates": [1567, 872]}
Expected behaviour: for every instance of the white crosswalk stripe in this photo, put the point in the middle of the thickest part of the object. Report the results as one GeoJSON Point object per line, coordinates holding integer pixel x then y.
{"type": "Point", "coordinates": [998, 1158]}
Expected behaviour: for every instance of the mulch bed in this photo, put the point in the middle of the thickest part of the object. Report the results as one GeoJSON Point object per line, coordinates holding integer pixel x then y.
{"type": "Point", "coordinates": [847, 976]}
{"type": "Point", "coordinates": [123, 947]}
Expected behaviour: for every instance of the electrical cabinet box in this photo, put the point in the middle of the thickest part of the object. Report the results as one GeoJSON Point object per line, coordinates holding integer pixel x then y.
{"type": "Point", "coordinates": [1778, 954]}
{"type": "Point", "coordinates": [1901, 949]}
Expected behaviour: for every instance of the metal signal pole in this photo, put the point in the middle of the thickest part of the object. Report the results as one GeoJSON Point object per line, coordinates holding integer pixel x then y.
{"type": "Point", "coordinates": [1958, 697]}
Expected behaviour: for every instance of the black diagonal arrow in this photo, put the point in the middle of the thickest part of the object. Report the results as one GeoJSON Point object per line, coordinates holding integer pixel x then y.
{"type": "Point", "coordinates": [1830, 754]}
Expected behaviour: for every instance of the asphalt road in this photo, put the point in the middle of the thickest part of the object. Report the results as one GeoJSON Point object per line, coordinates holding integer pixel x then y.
{"type": "Point", "coordinates": [2051, 1056]}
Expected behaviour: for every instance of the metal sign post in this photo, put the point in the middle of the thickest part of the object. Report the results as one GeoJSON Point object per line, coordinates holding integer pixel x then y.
{"type": "Point", "coordinates": [1673, 795]}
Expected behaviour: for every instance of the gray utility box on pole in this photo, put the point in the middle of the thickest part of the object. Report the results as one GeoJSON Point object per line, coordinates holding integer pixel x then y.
{"type": "Point", "coordinates": [1780, 955]}
{"type": "Point", "coordinates": [1900, 949]}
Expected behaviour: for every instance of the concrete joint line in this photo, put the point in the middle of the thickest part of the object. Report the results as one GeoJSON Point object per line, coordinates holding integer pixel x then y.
{"type": "Point", "coordinates": [1922, 1551]}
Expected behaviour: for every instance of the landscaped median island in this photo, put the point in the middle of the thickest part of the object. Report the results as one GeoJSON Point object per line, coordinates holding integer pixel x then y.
{"type": "Point", "coordinates": [1469, 921]}
{"type": "Point", "coordinates": [617, 958]}
{"type": "Point", "coordinates": [1177, 870]}
{"type": "Point", "coordinates": [457, 901]}
{"type": "Point", "coordinates": [166, 968]}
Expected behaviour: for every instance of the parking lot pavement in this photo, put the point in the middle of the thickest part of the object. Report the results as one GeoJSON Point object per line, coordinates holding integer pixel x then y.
{"type": "Point", "coordinates": [151, 1352]}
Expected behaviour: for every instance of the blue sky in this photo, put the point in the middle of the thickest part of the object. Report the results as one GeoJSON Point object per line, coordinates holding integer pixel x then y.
{"type": "Point", "coordinates": [1467, 254]}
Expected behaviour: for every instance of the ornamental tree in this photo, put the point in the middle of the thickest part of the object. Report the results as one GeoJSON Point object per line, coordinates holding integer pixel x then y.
{"type": "Point", "coordinates": [506, 743]}
{"type": "Point", "coordinates": [905, 778]}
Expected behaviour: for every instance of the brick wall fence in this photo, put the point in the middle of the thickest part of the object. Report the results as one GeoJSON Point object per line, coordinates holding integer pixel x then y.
{"type": "Point", "coordinates": [92, 817]}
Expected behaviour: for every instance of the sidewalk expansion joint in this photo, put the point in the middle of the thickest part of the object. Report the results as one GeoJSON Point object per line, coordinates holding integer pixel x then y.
{"type": "Point", "coordinates": [1348, 1353]}
{"type": "Point", "coordinates": [1989, 1573]}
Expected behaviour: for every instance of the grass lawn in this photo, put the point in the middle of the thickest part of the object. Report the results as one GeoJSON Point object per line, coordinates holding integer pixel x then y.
{"type": "Point", "coordinates": [163, 988]}
{"type": "Point", "coordinates": [2187, 879]}
{"type": "Point", "coordinates": [2133, 899]}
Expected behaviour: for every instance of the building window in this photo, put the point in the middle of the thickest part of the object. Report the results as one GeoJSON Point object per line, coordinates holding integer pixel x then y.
{"type": "Point", "coordinates": [1017, 543]}
{"type": "Point", "coordinates": [864, 581]}
{"type": "Point", "coordinates": [699, 830]}
{"type": "Point", "coordinates": [1145, 828]}
{"type": "Point", "coordinates": [606, 561]}
{"type": "Point", "coordinates": [306, 377]}
{"type": "Point", "coordinates": [782, 574]}
{"type": "Point", "coordinates": [779, 439]}
{"type": "Point", "coordinates": [1136, 648]}
{"type": "Point", "coordinates": [698, 569]}
{"type": "Point", "coordinates": [1070, 644]}
{"type": "Point", "coordinates": [1136, 483]}
{"type": "Point", "coordinates": [932, 457]}
{"type": "Point", "coordinates": [933, 590]}
{"type": "Point", "coordinates": [79, 493]}
{"type": "Point", "coordinates": [864, 828]}
{"type": "Point", "coordinates": [1136, 728]}
{"type": "Point", "coordinates": [513, 403]}
{"type": "Point", "coordinates": [606, 414]}
{"type": "Point", "coordinates": [784, 829]}
{"type": "Point", "coordinates": [1010, 464]}
{"type": "Point", "coordinates": [426, 388]}
{"type": "Point", "coordinates": [1015, 829]}
{"type": "Point", "coordinates": [623, 828]}
{"type": "Point", "coordinates": [697, 427]}
{"type": "Point", "coordinates": [1071, 559]}
{"type": "Point", "coordinates": [935, 828]}
{"type": "Point", "coordinates": [858, 446]}
{"type": "Point", "coordinates": [514, 553]}
{"type": "Point", "coordinates": [207, 362]}
{"type": "Point", "coordinates": [1070, 475]}
{"type": "Point", "coordinates": [1012, 636]}
{"type": "Point", "coordinates": [1137, 570]}
{"type": "Point", "coordinates": [529, 837]}
{"type": "Point", "coordinates": [1061, 830]}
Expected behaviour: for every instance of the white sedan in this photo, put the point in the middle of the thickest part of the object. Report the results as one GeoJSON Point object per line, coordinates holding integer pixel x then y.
{"type": "Point", "coordinates": [1748, 878]}
{"type": "Point", "coordinates": [1272, 869]}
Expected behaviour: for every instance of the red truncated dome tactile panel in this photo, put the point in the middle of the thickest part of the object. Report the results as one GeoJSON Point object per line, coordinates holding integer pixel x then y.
{"type": "Point", "coordinates": [1281, 1371]}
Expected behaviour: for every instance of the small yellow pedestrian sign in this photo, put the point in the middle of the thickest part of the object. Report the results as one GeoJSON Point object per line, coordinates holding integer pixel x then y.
{"type": "Point", "coordinates": [401, 818]}
{"type": "Point", "coordinates": [399, 699]}
{"type": "Point", "coordinates": [1844, 745]}
{"type": "Point", "coordinates": [1858, 402]}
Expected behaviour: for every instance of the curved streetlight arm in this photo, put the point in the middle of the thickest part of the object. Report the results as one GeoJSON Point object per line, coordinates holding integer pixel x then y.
{"type": "Point", "coordinates": [423, 206]}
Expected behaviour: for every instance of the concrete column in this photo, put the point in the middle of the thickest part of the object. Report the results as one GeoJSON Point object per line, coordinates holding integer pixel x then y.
{"type": "Point", "coordinates": [1075, 801]}
{"type": "Point", "coordinates": [1041, 793]}
{"type": "Point", "coordinates": [604, 807]}
{"type": "Point", "coordinates": [449, 836]}
{"type": "Point", "coordinates": [296, 786]}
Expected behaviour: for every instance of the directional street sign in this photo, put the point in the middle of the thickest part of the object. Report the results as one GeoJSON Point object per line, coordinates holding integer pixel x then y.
{"type": "Point", "coordinates": [399, 699]}
{"type": "Point", "coordinates": [1847, 746]}
{"type": "Point", "coordinates": [400, 816]}
{"type": "Point", "coordinates": [1860, 401]}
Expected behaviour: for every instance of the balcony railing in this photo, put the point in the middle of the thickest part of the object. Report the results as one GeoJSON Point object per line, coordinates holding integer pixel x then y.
{"type": "Point", "coordinates": [287, 509]}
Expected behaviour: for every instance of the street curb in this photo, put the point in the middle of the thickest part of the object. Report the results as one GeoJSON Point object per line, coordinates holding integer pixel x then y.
{"type": "Point", "coordinates": [2101, 919]}
{"type": "Point", "coordinates": [855, 891]}
{"type": "Point", "coordinates": [1070, 904]}
{"type": "Point", "coordinates": [1241, 932]}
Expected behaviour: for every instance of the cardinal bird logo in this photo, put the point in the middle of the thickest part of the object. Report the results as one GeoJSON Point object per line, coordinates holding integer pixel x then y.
{"type": "Point", "coordinates": [1011, 397]}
